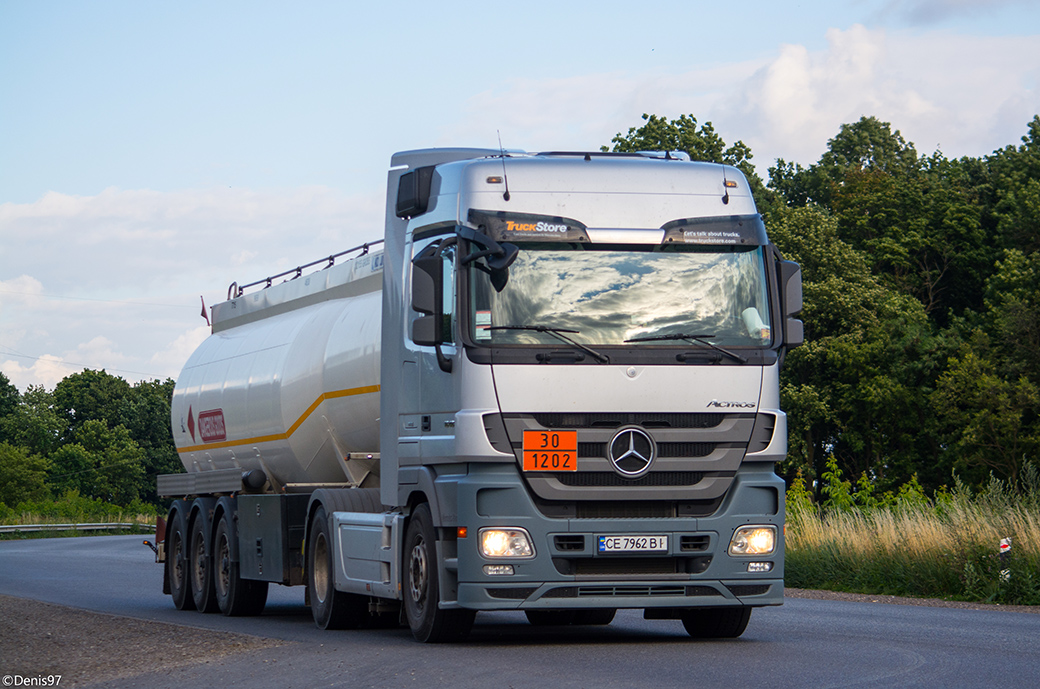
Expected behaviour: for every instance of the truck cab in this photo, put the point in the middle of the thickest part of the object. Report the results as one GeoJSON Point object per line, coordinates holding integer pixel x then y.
{"type": "Point", "coordinates": [585, 382]}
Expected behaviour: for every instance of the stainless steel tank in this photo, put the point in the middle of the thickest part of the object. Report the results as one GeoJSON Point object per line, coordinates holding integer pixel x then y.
{"type": "Point", "coordinates": [288, 382]}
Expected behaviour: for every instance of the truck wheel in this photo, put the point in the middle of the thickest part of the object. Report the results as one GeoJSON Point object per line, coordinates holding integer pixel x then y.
{"type": "Point", "coordinates": [551, 618]}
{"type": "Point", "coordinates": [331, 609]}
{"type": "Point", "coordinates": [235, 596]}
{"type": "Point", "coordinates": [200, 566]}
{"type": "Point", "coordinates": [422, 585]}
{"type": "Point", "coordinates": [177, 562]}
{"type": "Point", "coordinates": [716, 623]}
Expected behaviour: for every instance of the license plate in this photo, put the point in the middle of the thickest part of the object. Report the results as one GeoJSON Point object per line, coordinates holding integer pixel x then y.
{"type": "Point", "coordinates": [550, 450]}
{"type": "Point", "coordinates": [632, 544]}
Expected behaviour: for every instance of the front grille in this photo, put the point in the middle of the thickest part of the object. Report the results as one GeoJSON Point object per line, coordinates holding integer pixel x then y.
{"type": "Point", "coordinates": [685, 449]}
{"type": "Point", "coordinates": [591, 479]}
{"type": "Point", "coordinates": [663, 449]}
{"type": "Point", "coordinates": [624, 510]}
{"type": "Point", "coordinates": [611, 420]}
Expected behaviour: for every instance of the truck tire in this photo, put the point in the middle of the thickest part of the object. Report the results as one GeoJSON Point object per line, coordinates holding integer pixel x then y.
{"type": "Point", "coordinates": [177, 560]}
{"type": "Point", "coordinates": [200, 567]}
{"type": "Point", "coordinates": [236, 597]}
{"type": "Point", "coordinates": [716, 623]}
{"type": "Point", "coordinates": [331, 609]}
{"type": "Point", "coordinates": [428, 622]}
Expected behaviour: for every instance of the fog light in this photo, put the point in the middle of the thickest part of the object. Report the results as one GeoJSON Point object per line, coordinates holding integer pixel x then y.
{"type": "Point", "coordinates": [752, 567]}
{"type": "Point", "coordinates": [753, 540]}
{"type": "Point", "coordinates": [498, 570]}
{"type": "Point", "coordinates": [505, 543]}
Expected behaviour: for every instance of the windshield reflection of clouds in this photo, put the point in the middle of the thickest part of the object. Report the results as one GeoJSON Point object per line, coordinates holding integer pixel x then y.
{"type": "Point", "coordinates": [612, 296]}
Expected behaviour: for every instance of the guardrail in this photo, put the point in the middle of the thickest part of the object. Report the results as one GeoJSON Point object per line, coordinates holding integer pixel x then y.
{"type": "Point", "coordinates": [15, 528]}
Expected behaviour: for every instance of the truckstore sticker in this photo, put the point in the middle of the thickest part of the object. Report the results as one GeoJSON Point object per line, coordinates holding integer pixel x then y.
{"type": "Point", "coordinates": [211, 426]}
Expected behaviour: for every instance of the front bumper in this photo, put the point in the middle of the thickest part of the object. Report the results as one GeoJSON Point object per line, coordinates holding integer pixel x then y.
{"type": "Point", "coordinates": [567, 572]}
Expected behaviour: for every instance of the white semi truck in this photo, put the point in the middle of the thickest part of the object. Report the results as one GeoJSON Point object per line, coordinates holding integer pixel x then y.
{"type": "Point", "coordinates": [553, 389]}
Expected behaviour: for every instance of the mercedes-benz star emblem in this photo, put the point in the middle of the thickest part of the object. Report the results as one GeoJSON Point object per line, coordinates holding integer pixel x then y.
{"type": "Point", "coordinates": [632, 452]}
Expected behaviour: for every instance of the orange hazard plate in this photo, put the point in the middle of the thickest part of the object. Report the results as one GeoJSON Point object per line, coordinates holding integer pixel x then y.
{"type": "Point", "coordinates": [550, 450]}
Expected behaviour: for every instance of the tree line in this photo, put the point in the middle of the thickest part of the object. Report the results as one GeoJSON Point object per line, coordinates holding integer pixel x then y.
{"type": "Point", "coordinates": [94, 434]}
{"type": "Point", "coordinates": [921, 278]}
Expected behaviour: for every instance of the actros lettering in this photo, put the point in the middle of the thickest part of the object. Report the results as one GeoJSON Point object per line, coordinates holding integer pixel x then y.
{"type": "Point", "coordinates": [731, 405]}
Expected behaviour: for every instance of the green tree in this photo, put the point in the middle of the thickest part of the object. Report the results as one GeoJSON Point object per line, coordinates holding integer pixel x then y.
{"type": "Point", "coordinates": [35, 424]}
{"type": "Point", "coordinates": [701, 142]}
{"type": "Point", "coordinates": [1013, 306]}
{"type": "Point", "coordinates": [991, 420]}
{"type": "Point", "coordinates": [857, 391]}
{"type": "Point", "coordinates": [1014, 191]}
{"type": "Point", "coordinates": [147, 414]}
{"type": "Point", "coordinates": [9, 396]}
{"type": "Point", "coordinates": [22, 475]}
{"type": "Point", "coordinates": [104, 463]}
{"type": "Point", "coordinates": [91, 395]}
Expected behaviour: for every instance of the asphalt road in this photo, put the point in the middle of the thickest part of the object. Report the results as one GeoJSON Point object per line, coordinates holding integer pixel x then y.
{"type": "Point", "coordinates": [805, 643]}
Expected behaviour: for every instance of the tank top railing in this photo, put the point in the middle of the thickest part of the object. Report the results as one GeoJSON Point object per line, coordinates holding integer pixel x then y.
{"type": "Point", "coordinates": [235, 291]}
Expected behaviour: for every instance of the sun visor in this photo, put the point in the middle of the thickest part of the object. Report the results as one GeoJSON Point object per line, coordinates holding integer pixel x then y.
{"type": "Point", "coordinates": [527, 227]}
{"type": "Point", "coordinates": [733, 230]}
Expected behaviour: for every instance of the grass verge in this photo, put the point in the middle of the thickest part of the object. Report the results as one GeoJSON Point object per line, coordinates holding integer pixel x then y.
{"type": "Point", "coordinates": [909, 545]}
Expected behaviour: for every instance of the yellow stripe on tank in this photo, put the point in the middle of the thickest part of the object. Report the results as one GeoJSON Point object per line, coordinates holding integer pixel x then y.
{"type": "Point", "coordinates": [292, 429]}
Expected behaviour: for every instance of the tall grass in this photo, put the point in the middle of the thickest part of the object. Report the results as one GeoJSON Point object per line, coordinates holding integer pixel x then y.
{"type": "Point", "coordinates": [907, 544]}
{"type": "Point", "coordinates": [73, 508]}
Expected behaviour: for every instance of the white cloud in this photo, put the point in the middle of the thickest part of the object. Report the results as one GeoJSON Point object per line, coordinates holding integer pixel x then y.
{"type": "Point", "coordinates": [47, 371]}
{"type": "Point", "coordinates": [582, 113]}
{"type": "Point", "coordinates": [113, 280]}
{"type": "Point", "coordinates": [149, 241]}
{"type": "Point", "coordinates": [967, 94]}
{"type": "Point", "coordinates": [169, 361]}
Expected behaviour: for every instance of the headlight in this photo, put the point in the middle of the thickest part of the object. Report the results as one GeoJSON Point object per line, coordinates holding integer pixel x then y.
{"type": "Point", "coordinates": [505, 543]}
{"type": "Point", "coordinates": [753, 540]}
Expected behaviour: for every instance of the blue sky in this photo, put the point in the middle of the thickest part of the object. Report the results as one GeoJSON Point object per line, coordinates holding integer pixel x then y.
{"type": "Point", "coordinates": [153, 152]}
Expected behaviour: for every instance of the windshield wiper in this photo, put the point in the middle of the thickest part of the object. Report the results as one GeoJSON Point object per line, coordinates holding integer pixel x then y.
{"type": "Point", "coordinates": [558, 334]}
{"type": "Point", "coordinates": [692, 339]}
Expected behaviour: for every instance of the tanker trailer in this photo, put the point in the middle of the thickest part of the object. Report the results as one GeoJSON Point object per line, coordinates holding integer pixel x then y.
{"type": "Point", "coordinates": [553, 390]}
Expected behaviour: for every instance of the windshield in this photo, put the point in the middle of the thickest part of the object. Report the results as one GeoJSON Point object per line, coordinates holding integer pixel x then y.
{"type": "Point", "coordinates": [612, 294]}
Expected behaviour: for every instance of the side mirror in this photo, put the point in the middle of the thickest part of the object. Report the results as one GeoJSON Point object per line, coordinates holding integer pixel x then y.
{"type": "Point", "coordinates": [427, 285]}
{"type": "Point", "coordinates": [791, 276]}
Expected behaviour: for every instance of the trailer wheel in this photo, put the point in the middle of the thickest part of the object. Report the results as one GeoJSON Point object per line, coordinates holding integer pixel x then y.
{"type": "Point", "coordinates": [177, 562]}
{"type": "Point", "coordinates": [331, 609]}
{"type": "Point", "coordinates": [716, 623]}
{"type": "Point", "coordinates": [235, 596]}
{"type": "Point", "coordinates": [428, 622]}
{"type": "Point", "coordinates": [200, 565]}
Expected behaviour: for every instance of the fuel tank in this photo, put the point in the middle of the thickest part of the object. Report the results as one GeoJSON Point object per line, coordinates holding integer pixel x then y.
{"type": "Point", "coordinates": [288, 381]}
